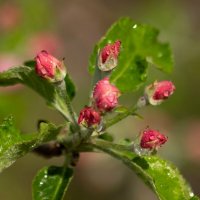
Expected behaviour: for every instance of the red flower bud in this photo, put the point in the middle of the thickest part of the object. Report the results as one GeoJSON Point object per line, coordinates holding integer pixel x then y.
{"type": "Point", "coordinates": [108, 56]}
{"type": "Point", "coordinates": [105, 95]}
{"type": "Point", "coordinates": [89, 117]}
{"type": "Point", "coordinates": [49, 67]}
{"type": "Point", "coordinates": [152, 139]}
{"type": "Point", "coordinates": [159, 91]}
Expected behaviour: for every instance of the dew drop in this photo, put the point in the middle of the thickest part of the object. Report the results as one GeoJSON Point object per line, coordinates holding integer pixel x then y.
{"type": "Point", "coordinates": [41, 183]}
{"type": "Point", "coordinates": [140, 151]}
{"type": "Point", "coordinates": [191, 194]}
{"type": "Point", "coordinates": [135, 26]}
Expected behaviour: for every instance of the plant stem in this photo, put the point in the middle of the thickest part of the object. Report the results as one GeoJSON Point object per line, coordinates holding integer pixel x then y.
{"type": "Point", "coordinates": [106, 144]}
{"type": "Point", "coordinates": [127, 161]}
{"type": "Point", "coordinates": [113, 153]}
{"type": "Point", "coordinates": [73, 141]}
{"type": "Point", "coordinates": [68, 111]}
{"type": "Point", "coordinates": [120, 116]}
{"type": "Point", "coordinates": [61, 107]}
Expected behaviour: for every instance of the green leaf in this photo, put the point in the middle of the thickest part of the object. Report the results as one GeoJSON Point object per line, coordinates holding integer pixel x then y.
{"type": "Point", "coordinates": [51, 183]}
{"type": "Point", "coordinates": [140, 46]}
{"type": "Point", "coordinates": [70, 87]}
{"type": "Point", "coordinates": [161, 176]}
{"type": "Point", "coordinates": [14, 145]}
{"type": "Point", "coordinates": [52, 93]}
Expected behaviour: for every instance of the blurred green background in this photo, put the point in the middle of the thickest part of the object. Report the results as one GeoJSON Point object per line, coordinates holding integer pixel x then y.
{"type": "Point", "coordinates": [70, 29]}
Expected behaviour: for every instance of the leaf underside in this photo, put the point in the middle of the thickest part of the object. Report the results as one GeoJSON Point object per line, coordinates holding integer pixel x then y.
{"type": "Point", "coordinates": [26, 75]}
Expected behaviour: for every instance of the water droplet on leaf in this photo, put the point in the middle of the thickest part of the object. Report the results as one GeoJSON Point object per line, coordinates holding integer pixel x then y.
{"type": "Point", "coordinates": [135, 26]}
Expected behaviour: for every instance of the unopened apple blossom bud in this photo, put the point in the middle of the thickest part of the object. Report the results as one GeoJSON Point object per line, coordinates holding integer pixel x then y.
{"type": "Point", "coordinates": [89, 117]}
{"type": "Point", "coordinates": [105, 95]}
{"type": "Point", "coordinates": [152, 139]}
{"type": "Point", "coordinates": [108, 56]}
{"type": "Point", "coordinates": [49, 67]}
{"type": "Point", "coordinates": [157, 92]}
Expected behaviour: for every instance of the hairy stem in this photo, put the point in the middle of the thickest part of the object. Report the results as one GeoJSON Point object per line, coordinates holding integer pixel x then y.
{"type": "Point", "coordinates": [106, 144]}
{"type": "Point", "coordinates": [133, 166]}
{"type": "Point", "coordinates": [68, 112]}
{"type": "Point", "coordinates": [120, 116]}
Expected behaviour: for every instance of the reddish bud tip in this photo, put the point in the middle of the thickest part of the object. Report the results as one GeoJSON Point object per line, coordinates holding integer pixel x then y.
{"type": "Point", "coordinates": [49, 67]}
{"type": "Point", "coordinates": [105, 95]}
{"type": "Point", "coordinates": [159, 91]}
{"type": "Point", "coordinates": [152, 139]}
{"type": "Point", "coordinates": [89, 117]}
{"type": "Point", "coordinates": [108, 56]}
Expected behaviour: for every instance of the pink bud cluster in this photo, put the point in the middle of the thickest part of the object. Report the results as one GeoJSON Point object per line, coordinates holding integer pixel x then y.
{"type": "Point", "coordinates": [157, 92]}
{"type": "Point", "coordinates": [49, 67]}
{"type": "Point", "coordinates": [105, 96]}
{"type": "Point", "coordinates": [152, 139]}
{"type": "Point", "coordinates": [108, 56]}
